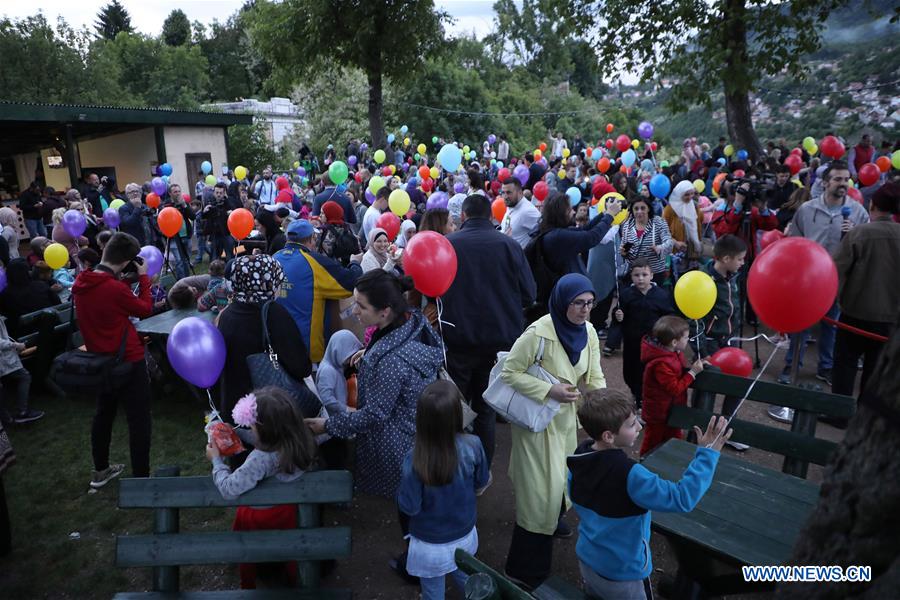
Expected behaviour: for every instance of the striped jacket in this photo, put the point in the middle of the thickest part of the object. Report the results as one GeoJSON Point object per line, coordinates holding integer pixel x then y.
{"type": "Point", "coordinates": [655, 234]}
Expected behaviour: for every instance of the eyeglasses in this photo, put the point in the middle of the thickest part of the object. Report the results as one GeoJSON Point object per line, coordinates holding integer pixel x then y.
{"type": "Point", "coordinates": [581, 304]}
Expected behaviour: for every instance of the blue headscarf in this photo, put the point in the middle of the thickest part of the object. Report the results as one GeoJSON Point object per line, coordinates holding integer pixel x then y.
{"type": "Point", "coordinates": [573, 337]}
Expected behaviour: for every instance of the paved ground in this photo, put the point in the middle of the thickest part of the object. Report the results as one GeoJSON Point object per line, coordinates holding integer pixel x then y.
{"type": "Point", "coordinates": [376, 534]}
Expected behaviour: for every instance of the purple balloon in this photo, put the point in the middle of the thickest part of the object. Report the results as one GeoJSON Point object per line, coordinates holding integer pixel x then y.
{"type": "Point", "coordinates": [154, 259]}
{"type": "Point", "coordinates": [196, 350]}
{"type": "Point", "coordinates": [111, 218]}
{"type": "Point", "coordinates": [74, 223]}
{"type": "Point", "coordinates": [411, 185]}
{"type": "Point", "coordinates": [351, 160]}
{"type": "Point", "coordinates": [459, 188]}
{"type": "Point", "coordinates": [370, 197]}
{"type": "Point", "coordinates": [521, 173]}
{"type": "Point", "coordinates": [437, 200]}
{"type": "Point", "coordinates": [158, 186]}
{"type": "Point", "coordinates": [363, 147]}
{"type": "Point", "coordinates": [2, 279]}
{"type": "Point", "coordinates": [645, 130]}
{"type": "Point", "coordinates": [492, 138]}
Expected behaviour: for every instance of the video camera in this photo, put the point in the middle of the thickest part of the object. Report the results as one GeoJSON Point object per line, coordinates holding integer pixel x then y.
{"type": "Point", "coordinates": [754, 190]}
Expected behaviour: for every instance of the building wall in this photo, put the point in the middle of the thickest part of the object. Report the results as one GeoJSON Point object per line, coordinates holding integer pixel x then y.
{"type": "Point", "coordinates": [190, 140]}
{"type": "Point", "coordinates": [132, 154]}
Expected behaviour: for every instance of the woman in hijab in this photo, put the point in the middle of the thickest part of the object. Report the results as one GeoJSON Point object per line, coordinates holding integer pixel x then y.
{"type": "Point", "coordinates": [407, 230]}
{"type": "Point", "coordinates": [537, 464]}
{"type": "Point", "coordinates": [380, 254]}
{"type": "Point", "coordinates": [9, 221]}
{"type": "Point", "coordinates": [685, 222]}
{"type": "Point", "coordinates": [256, 280]}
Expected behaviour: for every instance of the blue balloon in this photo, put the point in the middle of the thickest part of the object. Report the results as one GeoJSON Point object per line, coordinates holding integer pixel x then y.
{"type": "Point", "coordinates": [499, 164]}
{"type": "Point", "coordinates": [206, 167]}
{"type": "Point", "coordinates": [472, 155]}
{"type": "Point", "coordinates": [597, 154]}
{"type": "Point", "coordinates": [660, 186]}
{"type": "Point", "coordinates": [574, 195]}
{"type": "Point", "coordinates": [404, 129]}
{"type": "Point", "coordinates": [628, 157]}
{"type": "Point", "coordinates": [166, 169]}
{"type": "Point", "coordinates": [742, 155]}
{"type": "Point", "coordinates": [722, 161]}
{"type": "Point", "coordinates": [450, 157]}
{"type": "Point", "coordinates": [390, 138]}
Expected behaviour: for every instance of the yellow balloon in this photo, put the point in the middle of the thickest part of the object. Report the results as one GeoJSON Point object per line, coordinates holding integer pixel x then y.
{"type": "Point", "coordinates": [241, 172]}
{"type": "Point", "coordinates": [729, 150]}
{"type": "Point", "coordinates": [296, 164]}
{"type": "Point", "coordinates": [695, 294]}
{"type": "Point", "coordinates": [809, 142]}
{"type": "Point", "coordinates": [421, 148]}
{"type": "Point", "coordinates": [620, 218]}
{"type": "Point", "coordinates": [561, 173]}
{"type": "Point", "coordinates": [56, 256]}
{"type": "Point", "coordinates": [406, 141]}
{"type": "Point", "coordinates": [117, 203]}
{"type": "Point", "coordinates": [465, 150]}
{"type": "Point", "coordinates": [393, 169]}
{"type": "Point", "coordinates": [895, 159]}
{"type": "Point", "coordinates": [562, 161]}
{"type": "Point", "coordinates": [814, 149]}
{"type": "Point", "coordinates": [399, 202]}
{"type": "Point", "coordinates": [375, 184]}
{"type": "Point", "coordinates": [379, 156]}
{"type": "Point", "coordinates": [537, 155]}
{"type": "Point", "coordinates": [635, 144]}
{"type": "Point", "coordinates": [210, 180]}
{"type": "Point", "coordinates": [699, 185]}
{"type": "Point", "coordinates": [566, 152]}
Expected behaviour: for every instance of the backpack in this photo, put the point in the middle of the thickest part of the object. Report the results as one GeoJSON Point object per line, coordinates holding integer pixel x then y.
{"type": "Point", "coordinates": [544, 276]}
{"type": "Point", "coordinates": [338, 243]}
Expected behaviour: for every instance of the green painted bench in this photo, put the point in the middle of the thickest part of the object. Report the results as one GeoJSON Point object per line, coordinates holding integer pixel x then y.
{"type": "Point", "coordinates": [751, 515]}
{"type": "Point", "coordinates": [167, 548]}
{"type": "Point", "coordinates": [554, 588]}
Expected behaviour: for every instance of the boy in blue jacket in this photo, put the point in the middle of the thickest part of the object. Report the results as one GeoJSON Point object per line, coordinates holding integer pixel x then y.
{"type": "Point", "coordinates": [614, 495]}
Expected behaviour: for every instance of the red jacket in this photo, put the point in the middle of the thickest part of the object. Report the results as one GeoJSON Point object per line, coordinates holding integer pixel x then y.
{"type": "Point", "coordinates": [666, 380]}
{"type": "Point", "coordinates": [728, 221]}
{"type": "Point", "coordinates": [103, 305]}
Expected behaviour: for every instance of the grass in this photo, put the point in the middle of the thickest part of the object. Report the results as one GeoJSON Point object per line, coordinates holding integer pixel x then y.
{"type": "Point", "coordinates": [49, 499]}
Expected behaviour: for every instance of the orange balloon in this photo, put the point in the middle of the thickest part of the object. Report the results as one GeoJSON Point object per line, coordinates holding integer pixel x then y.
{"type": "Point", "coordinates": [424, 172]}
{"type": "Point", "coordinates": [543, 147]}
{"type": "Point", "coordinates": [240, 223]}
{"type": "Point", "coordinates": [884, 163]}
{"type": "Point", "coordinates": [152, 200]}
{"type": "Point", "coordinates": [623, 169]}
{"type": "Point", "coordinates": [589, 151]}
{"type": "Point", "coordinates": [498, 208]}
{"type": "Point", "coordinates": [609, 127]}
{"type": "Point", "coordinates": [539, 153]}
{"type": "Point", "coordinates": [168, 219]}
{"type": "Point", "coordinates": [717, 182]}
{"type": "Point", "coordinates": [603, 164]}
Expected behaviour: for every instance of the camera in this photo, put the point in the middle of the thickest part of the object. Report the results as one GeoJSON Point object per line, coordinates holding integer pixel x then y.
{"type": "Point", "coordinates": [132, 265]}
{"type": "Point", "coordinates": [755, 191]}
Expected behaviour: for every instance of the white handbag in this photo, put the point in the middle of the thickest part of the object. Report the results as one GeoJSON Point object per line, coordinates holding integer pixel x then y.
{"type": "Point", "coordinates": [531, 414]}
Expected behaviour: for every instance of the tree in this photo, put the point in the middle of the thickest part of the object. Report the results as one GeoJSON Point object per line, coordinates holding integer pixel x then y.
{"type": "Point", "coordinates": [383, 38]}
{"type": "Point", "coordinates": [112, 19]}
{"type": "Point", "coordinates": [695, 45]}
{"type": "Point", "coordinates": [250, 146]}
{"type": "Point", "coordinates": [236, 69]}
{"type": "Point", "coordinates": [177, 28]}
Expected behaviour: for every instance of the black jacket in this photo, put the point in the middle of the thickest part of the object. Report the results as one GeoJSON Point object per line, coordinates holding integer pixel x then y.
{"type": "Point", "coordinates": [132, 222]}
{"type": "Point", "coordinates": [642, 310]}
{"type": "Point", "coordinates": [492, 286]}
{"type": "Point", "coordinates": [28, 204]}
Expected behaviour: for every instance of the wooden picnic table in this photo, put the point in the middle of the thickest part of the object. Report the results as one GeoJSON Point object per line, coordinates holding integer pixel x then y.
{"type": "Point", "coordinates": [163, 323]}
{"type": "Point", "coordinates": [751, 515]}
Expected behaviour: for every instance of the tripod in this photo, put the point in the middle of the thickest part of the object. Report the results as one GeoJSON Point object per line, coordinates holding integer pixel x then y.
{"type": "Point", "coordinates": [747, 236]}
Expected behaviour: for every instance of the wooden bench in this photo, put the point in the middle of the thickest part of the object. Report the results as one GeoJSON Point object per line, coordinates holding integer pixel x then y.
{"type": "Point", "coordinates": [751, 515]}
{"type": "Point", "coordinates": [554, 588]}
{"type": "Point", "coordinates": [166, 548]}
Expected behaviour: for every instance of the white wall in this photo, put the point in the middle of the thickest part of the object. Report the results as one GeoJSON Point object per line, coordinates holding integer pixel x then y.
{"type": "Point", "coordinates": [190, 140]}
{"type": "Point", "coordinates": [131, 153]}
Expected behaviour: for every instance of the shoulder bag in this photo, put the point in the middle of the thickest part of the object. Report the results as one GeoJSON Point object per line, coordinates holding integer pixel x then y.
{"type": "Point", "coordinates": [532, 414]}
{"type": "Point", "coordinates": [80, 372]}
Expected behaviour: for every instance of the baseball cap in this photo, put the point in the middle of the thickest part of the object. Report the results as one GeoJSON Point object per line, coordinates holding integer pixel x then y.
{"type": "Point", "coordinates": [300, 230]}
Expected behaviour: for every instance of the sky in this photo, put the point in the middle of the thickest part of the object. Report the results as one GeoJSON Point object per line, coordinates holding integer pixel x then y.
{"type": "Point", "coordinates": [148, 16]}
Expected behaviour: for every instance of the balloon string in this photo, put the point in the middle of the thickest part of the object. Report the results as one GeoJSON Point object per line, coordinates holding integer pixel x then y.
{"type": "Point", "coordinates": [440, 309]}
{"type": "Point", "coordinates": [214, 414]}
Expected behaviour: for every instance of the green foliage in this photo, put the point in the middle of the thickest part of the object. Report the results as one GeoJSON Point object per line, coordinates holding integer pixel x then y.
{"type": "Point", "coordinates": [111, 20]}
{"type": "Point", "coordinates": [236, 69]}
{"type": "Point", "coordinates": [176, 28]}
{"type": "Point", "coordinates": [249, 145]}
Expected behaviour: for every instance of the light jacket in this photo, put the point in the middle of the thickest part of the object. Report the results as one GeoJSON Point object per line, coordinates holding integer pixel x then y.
{"type": "Point", "coordinates": [813, 221]}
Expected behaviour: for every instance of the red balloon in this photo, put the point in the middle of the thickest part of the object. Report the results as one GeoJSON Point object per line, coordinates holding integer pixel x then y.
{"type": "Point", "coordinates": [543, 147]}
{"type": "Point", "coordinates": [609, 127]}
{"type": "Point", "coordinates": [169, 221]}
{"type": "Point", "coordinates": [495, 188]}
{"type": "Point", "coordinates": [285, 196]}
{"type": "Point", "coordinates": [424, 173]}
{"type": "Point", "coordinates": [186, 197]}
{"type": "Point", "coordinates": [794, 163]}
{"type": "Point", "coordinates": [609, 144]}
{"type": "Point", "coordinates": [739, 173]}
{"type": "Point", "coordinates": [358, 177]}
{"type": "Point", "coordinates": [540, 190]}
{"type": "Point", "coordinates": [152, 200]}
{"type": "Point", "coordinates": [623, 143]}
{"type": "Point", "coordinates": [653, 146]}
{"type": "Point", "coordinates": [386, 172]}
{"type": "Point", "coordinates": [390, 223]}
{"type": "Point", "coordinates": [797, 152]}
{"type": "Point", "coordinates": [503, 174]}
{"type": "Point", "coordinates": [282, 183]}
{"type": "Point", "coordinates": [498, 209]}
{"type": "Point", "coordinates": [883, 163]}
{"type": "Point", "coordinates": [831, 147]}
{"type": "Point", "coordinates": [431, 261]}
{"type": "Point", "coordinates": [792, 284]}
{"type": "Point", "coordinates": [869, 174]}
{"type": "Point", "coordinates": [240, 223]}
{"type": "Point", "coordinates": [770, 237]}
{"type": "Point", "coordinates": [855, 194]}
{"type": "Point", "coordinates": [427, 185]}
{"type": "Point", "coordinates": [733, 361]}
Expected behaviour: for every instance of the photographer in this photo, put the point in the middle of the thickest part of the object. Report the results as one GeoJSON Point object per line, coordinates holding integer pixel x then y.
{"type": "Point", "coordinates": [743, 199]}
{"type": "Point", "coordinates": [135, 216]}
{"type": "Point", "coordinates": [215, 220]}
{"type": "Point", "coordinates": [105, 305]}
{"type": "Point", "coordinates": [181, 242]}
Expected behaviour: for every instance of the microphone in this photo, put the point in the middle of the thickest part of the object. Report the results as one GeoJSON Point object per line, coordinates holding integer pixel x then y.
{"type": "Point", "coordinates": [845, 213]}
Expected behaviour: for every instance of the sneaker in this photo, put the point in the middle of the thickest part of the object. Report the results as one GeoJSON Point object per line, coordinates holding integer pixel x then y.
{"type": "Point", "coordinates": [563, 531]}
{"type": "Point", "coordinates": [28, 416]}
{"type": "Point", "coordinates": [782, 414]}
{"type": "Point", "coordinates": [737, 446]}
{"type": "Point", "coordinates": [101, 478]}
{"type": "Point", "coordinates": [824, 375]}
{"type": "Point", "coordinates": [607, 351]}
{"type": "Point", "coordinates": [785, 377]}
{"type": "Point", "coordinates": [490, 480]}
{"type": "Point", "coordinates": [602, 333]}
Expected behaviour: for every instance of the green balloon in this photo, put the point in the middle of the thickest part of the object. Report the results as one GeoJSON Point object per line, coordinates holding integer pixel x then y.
{"type": "Point", "coordinates": [338, 172]}
{"type": "Point", "coordinates": [417, 156]}
{"type": "Point", "coordinates": [117, 203]}
{"type": "Point", "coordinates": [434, 140]}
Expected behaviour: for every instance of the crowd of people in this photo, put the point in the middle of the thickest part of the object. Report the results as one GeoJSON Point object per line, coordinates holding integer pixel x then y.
{"type": "Point", "coordinates": [562, 258]}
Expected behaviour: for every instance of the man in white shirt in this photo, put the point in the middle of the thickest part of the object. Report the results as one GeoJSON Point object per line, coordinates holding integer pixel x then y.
{"type": "Point", "coordinates": [559, 144]}
{"type": "Point", "coordinates": [374, 211]}
{"type": "Point", "coordinates": [503, 149]}
{"type": "Point", "coordinates": [521, 216]}
{"type": "Point", "coordinates": [265, 189]}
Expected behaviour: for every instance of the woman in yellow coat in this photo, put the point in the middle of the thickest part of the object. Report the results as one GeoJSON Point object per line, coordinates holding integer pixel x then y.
{"type": "Point", "coordinates": [537, 464]}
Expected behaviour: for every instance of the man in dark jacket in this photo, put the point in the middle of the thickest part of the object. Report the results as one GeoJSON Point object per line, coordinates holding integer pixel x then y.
{"type": "Point", "coordinates": [485, 304]}
{"type": "Point", "coordinates": [105, 305]}
{"type": "Point", "coordinates": [536, 171]}
{"type": "Point", "coordinates": [334, 194]}
{"type": "Point", "coordinates": [31, 205]}
{"type": "Point", "coordinates": [181, 242]}
{"type": "Point", "coordinates": [133, 215]}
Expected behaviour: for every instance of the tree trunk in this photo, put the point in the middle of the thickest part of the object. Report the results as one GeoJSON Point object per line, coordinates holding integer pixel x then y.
{"type": "Point", "coordinates": [857, 521]}
{"type": "Point", "coordinates": [735, 80]}
{"type": "Point", "coordinates": [376, 110]}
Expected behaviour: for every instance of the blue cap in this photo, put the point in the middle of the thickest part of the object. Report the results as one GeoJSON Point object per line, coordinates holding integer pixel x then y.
{"type": "Point", "coordinates": [300, 230]}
